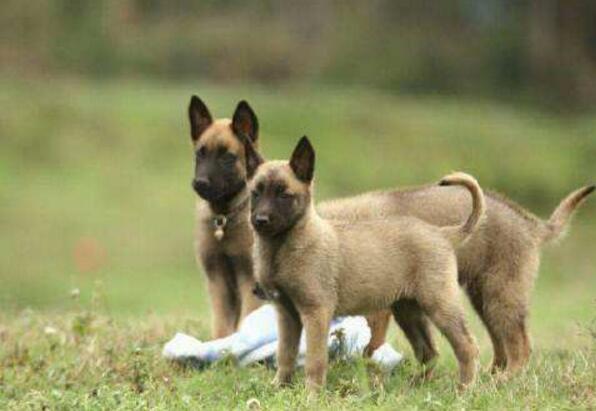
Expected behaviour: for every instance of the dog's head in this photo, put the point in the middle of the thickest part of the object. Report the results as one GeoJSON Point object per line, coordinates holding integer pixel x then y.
{"type": "Point", "coordinates": [221, 168]}
{"type": "Point", "coordinates": [281, 190]}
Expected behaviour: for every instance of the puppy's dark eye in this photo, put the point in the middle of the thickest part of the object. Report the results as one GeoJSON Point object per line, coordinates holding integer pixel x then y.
{"type": "Point", "coordinates": [282, 193]}
{"type": "Point", "coordinates": [256, 192]}
{"type": "Point", "coordinates": [202, 152]}
{"type": "Point", "coordinates": [227, 158]}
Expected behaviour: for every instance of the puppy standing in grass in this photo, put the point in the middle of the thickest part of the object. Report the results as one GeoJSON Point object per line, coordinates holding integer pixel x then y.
{"type": "Point", "coordinates": [322, 268]}
{"type": "Point", "coordinates": [224, 237]}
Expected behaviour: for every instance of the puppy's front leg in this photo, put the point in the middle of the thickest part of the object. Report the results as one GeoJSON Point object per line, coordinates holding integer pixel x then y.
{"type": "Point", "coordinates": [289, 329]}
{"type": "Point", "coordinates": [223, 304]}
{"type": "Point", "coordinates": [316, 325]}
{"type": "Point", "coordinates": [246, 283]}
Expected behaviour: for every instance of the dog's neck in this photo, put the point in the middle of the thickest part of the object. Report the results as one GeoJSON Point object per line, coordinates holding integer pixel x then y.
{"type": "Point", "coordinates": [273, 254]}
{"type": "Point", "coordinates": [231, 205]}
{"type": "Point", "coordinates": [310, 220]}
{"type": "Point", "coordinates": [297, 236]}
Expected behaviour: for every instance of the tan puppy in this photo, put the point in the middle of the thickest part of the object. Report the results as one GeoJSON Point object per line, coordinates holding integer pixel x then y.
{"type": "Point", "coordinates": [224, 237]}
{"type": "Point", "coordinates": [497, 266]}
{"type": "Point", "coordinates": [319, 268]}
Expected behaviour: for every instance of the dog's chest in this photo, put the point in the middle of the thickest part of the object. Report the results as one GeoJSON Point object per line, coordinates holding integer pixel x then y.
{"type": "Point", "coordinates": [237, 239]}
{"type": "Point", "coordinates": [284, 273]}
{"type": "Point", "coordinates": [271, 263]}
{"type": "Point", "coordinates": [265, 260]}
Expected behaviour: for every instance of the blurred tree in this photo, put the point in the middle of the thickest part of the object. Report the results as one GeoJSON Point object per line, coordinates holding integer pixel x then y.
{"type": "Point", "coordinates": [542, 48]}
{"type": "Point", "coordinates": [562, 49]}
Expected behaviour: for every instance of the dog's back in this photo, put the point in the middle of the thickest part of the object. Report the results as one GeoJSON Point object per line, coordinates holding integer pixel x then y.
{"type": "Point", "coordinates": [379, 261]}
{"type": "Point", "coordinates": [507, 228]}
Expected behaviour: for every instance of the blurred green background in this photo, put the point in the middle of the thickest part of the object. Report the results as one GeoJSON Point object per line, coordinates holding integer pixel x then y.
{"type": "Point", "coordinates": [95, 158]}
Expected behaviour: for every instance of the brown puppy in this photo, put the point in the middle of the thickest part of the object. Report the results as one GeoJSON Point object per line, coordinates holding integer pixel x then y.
{"type": "Point", "coordinates": [321, 268]}
{"type": "Point", "coordinates": [497, 266]}
{"type": "Point", "coordinates": [224, 237]}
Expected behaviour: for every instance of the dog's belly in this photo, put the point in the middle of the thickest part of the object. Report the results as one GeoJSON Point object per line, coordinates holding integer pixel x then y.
{"type": "Point", "coordinates": [364, 307]}
{"type": "Point", "coordinates": [366, 299]}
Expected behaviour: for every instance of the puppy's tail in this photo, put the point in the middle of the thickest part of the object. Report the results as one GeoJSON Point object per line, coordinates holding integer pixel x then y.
{"type": "Point", "coordinates": [559, 220]}
{"type": "Point", "coordinates": [460, 233]}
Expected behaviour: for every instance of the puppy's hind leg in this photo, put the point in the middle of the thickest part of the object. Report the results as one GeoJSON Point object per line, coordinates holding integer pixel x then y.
{"type": "Point", "coordinates": [416, 326]}
{"type": "Point", "coordinates": [499, 354]}
{"type": "Point", "coordinates": [506, 299]}
{"type": "Point", "coordinates": [445, 310]}
{"type": "Point", "coordinates": [510, 327]}
{"type": "Point", "coordinates": [378, 323]}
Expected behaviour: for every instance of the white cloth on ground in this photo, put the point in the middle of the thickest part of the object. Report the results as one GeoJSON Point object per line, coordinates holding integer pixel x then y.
{"type": "Point", "coordinates": [256, 341]}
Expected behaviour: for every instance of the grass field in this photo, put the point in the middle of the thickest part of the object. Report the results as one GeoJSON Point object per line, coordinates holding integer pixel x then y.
{"type": "Point", "coordinates": [90, 361]}
{"type": "Point", "coordinates": [96, 197]}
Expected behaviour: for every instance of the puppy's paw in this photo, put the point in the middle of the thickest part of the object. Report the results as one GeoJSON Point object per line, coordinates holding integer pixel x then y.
{"type": "Point", "coordinates": [422, 377]}
{"type": "Point", "coordinates": [314, 389]}
{"type": "Point", "coordinates": [496, 368]}
{"type": "Point", "coordinates": [282, 379]}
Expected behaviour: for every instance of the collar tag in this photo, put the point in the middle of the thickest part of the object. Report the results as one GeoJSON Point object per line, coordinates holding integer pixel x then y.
{"type": "Point", "coordinates": [219, 223]}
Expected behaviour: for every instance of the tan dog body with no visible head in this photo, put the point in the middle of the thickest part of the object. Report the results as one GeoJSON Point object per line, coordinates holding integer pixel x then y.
{"type": "Point", "coordinates": [321, 268]}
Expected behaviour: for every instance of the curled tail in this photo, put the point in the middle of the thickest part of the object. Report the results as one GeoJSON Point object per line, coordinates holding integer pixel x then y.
{"type": "Point", "coordinates": [557, 223]}
{"type": "Point", "coordinates": [460, 233]}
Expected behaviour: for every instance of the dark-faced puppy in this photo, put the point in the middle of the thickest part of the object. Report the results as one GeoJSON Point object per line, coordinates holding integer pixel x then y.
{"type": "Point", "coordinates": [224, 236]}
{"type": "Point", "coordinates": [332, 267]}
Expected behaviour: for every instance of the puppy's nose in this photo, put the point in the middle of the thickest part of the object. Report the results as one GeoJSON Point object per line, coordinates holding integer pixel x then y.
{"type": "Point", "coordinates": [200, 183]}
{"type": "Point", "coordinates": [262, 220]}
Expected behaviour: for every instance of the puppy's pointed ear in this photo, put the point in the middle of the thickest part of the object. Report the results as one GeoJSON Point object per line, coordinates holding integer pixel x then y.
{"type": "Point", "coordinates": [302, 161]}
{"type": "Point", "coordinates": [199, 117]}
{"type": "Point", "coordinates": [253, 159]}
{"type": "Point", "coordinates": [245, 123]}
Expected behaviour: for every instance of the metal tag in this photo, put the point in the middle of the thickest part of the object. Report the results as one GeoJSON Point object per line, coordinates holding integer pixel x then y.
{"type": "Point", "coordinates": [219, 222]}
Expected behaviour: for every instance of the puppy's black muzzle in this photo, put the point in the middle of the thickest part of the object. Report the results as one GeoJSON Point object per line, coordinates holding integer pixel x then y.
{"type": "Point", "coordinates": [261, 221]}
{"type": "Point", "coordinates": [264, 224]}
{"type": "Point", "coordinates": [204, 189]}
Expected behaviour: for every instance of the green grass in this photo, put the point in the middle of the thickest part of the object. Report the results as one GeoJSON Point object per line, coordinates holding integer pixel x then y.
{"type": "Point", "coordinates": [95, 195]}
{"type": "Point", "coordinates": [91, 361]}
